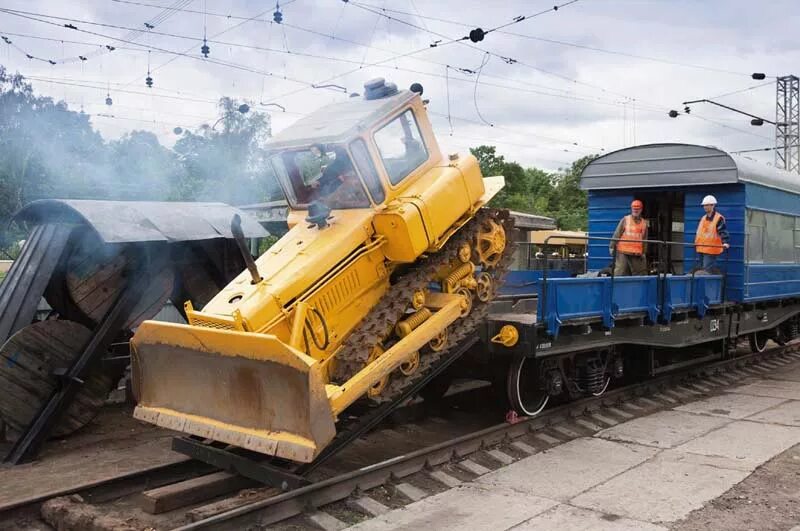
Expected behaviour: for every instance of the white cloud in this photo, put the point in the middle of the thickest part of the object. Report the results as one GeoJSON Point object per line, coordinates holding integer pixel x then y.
{"type": "Point", "coordinates": [737, 35]}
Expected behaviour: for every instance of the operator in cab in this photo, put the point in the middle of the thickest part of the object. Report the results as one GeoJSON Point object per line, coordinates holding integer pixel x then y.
{"type": "Point", "coordinates": [712, 235]}
{"type": "Point", "coordinates": [334, 174]}
{"type": "Point", "coordinates": [629, 241]}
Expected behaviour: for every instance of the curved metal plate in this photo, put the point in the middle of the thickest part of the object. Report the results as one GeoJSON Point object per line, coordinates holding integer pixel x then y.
{"type": "Point", "coordinates": [143, 221]}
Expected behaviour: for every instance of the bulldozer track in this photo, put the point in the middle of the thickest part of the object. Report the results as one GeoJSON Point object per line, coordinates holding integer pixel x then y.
{"type": "Point", "coordinates": [379, 323]}
{"type": "Point", "coordinates": [458, 330]}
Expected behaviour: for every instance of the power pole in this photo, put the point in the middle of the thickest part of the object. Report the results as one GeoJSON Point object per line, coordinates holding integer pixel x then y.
{"type": "Point", "coordinates": [787, 124]}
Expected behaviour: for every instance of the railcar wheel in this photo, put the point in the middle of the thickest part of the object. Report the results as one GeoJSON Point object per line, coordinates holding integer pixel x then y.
{"type": "Point", "coordinates": [526, 391]}
{"type": "Point", "coordinates": [758, 342]}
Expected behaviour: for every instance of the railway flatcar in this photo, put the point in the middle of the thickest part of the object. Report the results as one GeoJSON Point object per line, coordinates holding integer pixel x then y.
{"type": "Point", "coordinates": [578, 334]}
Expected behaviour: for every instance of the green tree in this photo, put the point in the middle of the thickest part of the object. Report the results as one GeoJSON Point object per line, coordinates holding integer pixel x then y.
{"type": "Point", "coordinates": [489, 161]}
{"type": "Point", "coordinates": [46, 150]}
{"type": "Point", "coordinates": [140, 168]}
{"type": "Point", "coordinates": [571, 210]}
{"type": "Point", "coordinates": [557, 195]}
{"type": "Point", "coordinates": [515, 195]}
{"type": "Point", "coordinates": [227, 162]}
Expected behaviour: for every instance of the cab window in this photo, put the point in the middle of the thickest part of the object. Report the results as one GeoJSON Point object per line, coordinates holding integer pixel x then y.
{"type": "Point", "coordinates": [367, 170]}
{"type": "Point", "coordinates": [401, 146]}
{"type": "Point", "coordinates": [319, 173]}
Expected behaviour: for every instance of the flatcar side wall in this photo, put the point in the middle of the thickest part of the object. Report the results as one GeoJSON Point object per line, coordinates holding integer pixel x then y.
{"type": "Point", "coordinates": [767, 277]}
{"type": "Point", "coordinates": [731, 204]}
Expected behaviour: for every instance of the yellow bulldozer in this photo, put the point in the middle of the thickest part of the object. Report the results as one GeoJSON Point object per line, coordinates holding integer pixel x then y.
{"type": "Point", "coordinates": [390, 260]}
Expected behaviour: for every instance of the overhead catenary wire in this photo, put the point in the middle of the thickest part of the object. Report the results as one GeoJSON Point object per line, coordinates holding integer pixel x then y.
{"type": "Point", "coordinates": [413, 52]}
{"type": "Point", "coordinates": [107, 47]}
{"type": "Point", "coordinates": [524, 134]}
{"type": "Point", "coordinates": [176, 55]}
{"type": "Point", "coordinates": [467, 25]}
{"type": "Point", "coordinates": [68, 41]}
{"type": "Point", "coordinates": [465, 79]}
{"type": "Point", "coordinates": [115, 117]}
{"type": "Point", "coordinates": [139, 93]}
{"type": "Point", "coordinates": [739, 91]}
{"type": "Point", "coordinates": [183, 54]}
{"type": "Point", "coordinates": [511, 60]}
{"type": "Point", "coordinates": [448, 39]}
{"type": "Point", "coordinates": [467, 143]}
{"type": "Point", "coordinates": [526, 89]}
{"type": "Point", "coordinates": [475, 91]}
{"type": "Point", "coordinates": [507, 59]}
{"type": "Point", "coordinates": [739, 152]}
{"type": "Point", "coordinates": [98, 87]}
{"type": "Point", "coordinates": [133, 108]}
{"type": "Point", "coordinates": [379, 64]}
{"type": "Point", "coordinates": [745, 131]}
{"type": "Point", "coordinates": [524, 64]}
{"type": "Point", "coordinates": [447, 90]}
{"type": "Point", "coordinates": [571, 44]}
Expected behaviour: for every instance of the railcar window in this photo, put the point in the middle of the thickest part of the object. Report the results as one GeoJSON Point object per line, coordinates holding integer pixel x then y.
{"type": "Point", "coordinates": [755, 235]}
{"type": "Point", "coordinates": [521, 256]}
{"type": "Point", "coordinates": [797, 240]}
{"type": "Point", "coordinates": [772, 238]}
{"type": "Point", "coordinates": [401, 146]}
{"type": "Point", "coordinates": [779, 241]}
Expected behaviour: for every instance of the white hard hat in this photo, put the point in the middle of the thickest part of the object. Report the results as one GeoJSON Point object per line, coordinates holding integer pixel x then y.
{"type": "Point", "coordinates": [709, 200]}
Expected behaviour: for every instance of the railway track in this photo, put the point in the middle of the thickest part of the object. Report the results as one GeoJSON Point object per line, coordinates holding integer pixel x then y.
{"type": "Point", "coordinates": [354, 486]}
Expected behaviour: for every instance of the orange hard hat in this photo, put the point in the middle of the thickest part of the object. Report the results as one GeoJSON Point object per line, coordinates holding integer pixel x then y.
{"type": "Point", "coordinates": [637, 204]}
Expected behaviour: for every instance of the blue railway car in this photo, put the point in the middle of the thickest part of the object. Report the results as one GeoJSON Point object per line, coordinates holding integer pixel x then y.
{"type": "Point", "coordinates": [588, 330]}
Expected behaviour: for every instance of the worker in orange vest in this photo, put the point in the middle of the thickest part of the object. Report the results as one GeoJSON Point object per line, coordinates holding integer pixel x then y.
{"type": "Point", "coordinates": [712, 234]}
{"type": "Point", "coordinates": [629, 242]}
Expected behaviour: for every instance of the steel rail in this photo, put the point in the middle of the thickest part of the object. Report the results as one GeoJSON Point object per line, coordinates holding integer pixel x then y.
{"type": "Point", "coordinates": [292, 503]}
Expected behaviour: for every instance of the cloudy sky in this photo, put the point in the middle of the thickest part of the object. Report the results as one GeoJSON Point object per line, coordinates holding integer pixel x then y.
{"type": "Point", "coordinates": [593, 76]}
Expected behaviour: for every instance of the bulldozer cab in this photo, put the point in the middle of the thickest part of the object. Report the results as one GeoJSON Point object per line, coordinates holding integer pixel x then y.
{"type": "Point", "coordinates": [357, 154]}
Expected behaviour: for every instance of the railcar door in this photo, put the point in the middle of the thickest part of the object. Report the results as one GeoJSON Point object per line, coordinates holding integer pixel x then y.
{"type": "Point", "coordinates": [664, 213]}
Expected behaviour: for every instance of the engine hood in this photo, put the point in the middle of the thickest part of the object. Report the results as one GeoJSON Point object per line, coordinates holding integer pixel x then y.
{"type": "Point", "coordinates": [291, 266]}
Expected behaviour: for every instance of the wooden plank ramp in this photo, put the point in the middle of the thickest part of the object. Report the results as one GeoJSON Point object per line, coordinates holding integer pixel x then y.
{"type": "Point", "coordinates": [191, 491]}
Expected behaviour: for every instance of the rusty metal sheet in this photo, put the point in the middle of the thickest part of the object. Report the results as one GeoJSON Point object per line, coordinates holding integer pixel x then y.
{"type": "Point", "coordinates": [144, 221]}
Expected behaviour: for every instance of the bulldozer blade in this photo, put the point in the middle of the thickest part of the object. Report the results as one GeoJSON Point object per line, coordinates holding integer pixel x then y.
{"type": "Point", "coordinates": [245, 389]}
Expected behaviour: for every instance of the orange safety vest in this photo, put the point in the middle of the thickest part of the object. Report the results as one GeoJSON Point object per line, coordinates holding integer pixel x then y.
{"type": "Point", "coordinates": [630, 242]}
{"type": "Point", "coordinates": [707, 240]}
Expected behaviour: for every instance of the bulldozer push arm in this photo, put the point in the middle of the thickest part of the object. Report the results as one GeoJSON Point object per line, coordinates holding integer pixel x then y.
{"type": "Point", "coordinates": [389, 247]}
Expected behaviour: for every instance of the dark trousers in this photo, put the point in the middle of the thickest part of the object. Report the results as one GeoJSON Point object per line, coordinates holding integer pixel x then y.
{"type": "Point", "coordinates": [630, 264]}
{"type": "Point", "coordinates": [707, 261]}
